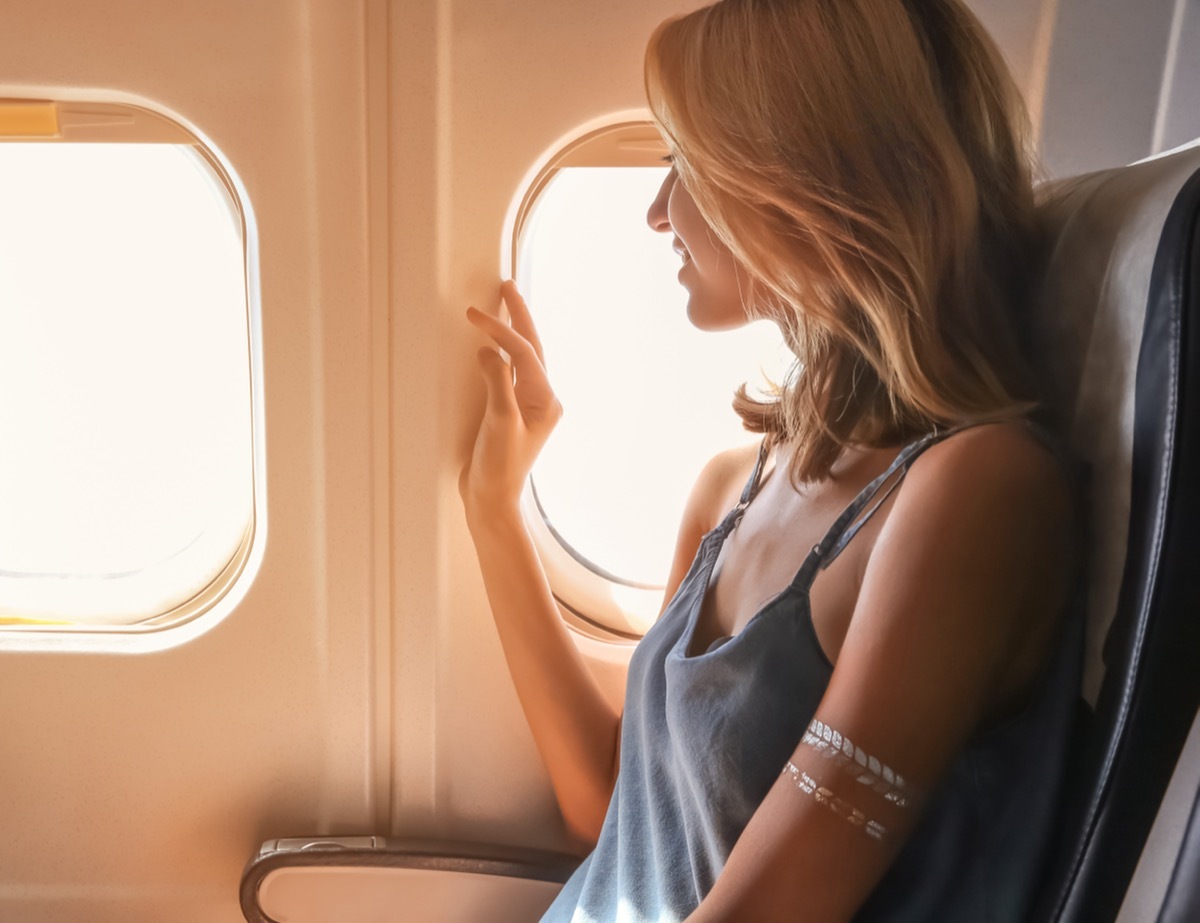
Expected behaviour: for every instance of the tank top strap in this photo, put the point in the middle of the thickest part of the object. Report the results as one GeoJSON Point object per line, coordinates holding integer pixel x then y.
{"type": "Point", "coordinates": [864, 506]}
{"type": "Point", "coordinates": [750, 491]}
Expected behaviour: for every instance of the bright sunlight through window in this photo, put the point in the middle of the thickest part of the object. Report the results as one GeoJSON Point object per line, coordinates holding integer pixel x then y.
{"type": "Point", "coordinates": [646, 395]}
{"type": "Point", "coordinates": [125, 402]}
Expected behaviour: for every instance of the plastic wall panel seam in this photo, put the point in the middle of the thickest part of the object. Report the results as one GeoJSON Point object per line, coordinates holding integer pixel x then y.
{"type": "Point", "coordinates": [417, 31]}
{"type": "Point", "coordinates": [1039, 74]}
{"type": "Point", "coordinates": [340, 231]}
{"type": "Point", "coordinates": [1181, 115]}
{"type": "Point", "coordinates": [308, 195]}
{"type": "Point", "coordinates": [1167, 84]}
{"type": "Point", "coordinates": [1023, 30]}
{"type": "Point", "coordinates": [377, 40]}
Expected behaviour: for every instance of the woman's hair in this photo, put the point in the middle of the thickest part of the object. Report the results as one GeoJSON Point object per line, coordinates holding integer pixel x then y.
{"type": "Point", "coordinates": [865, 161]}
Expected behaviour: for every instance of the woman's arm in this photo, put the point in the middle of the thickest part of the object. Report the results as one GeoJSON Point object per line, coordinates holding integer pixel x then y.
{"type": "Point", "coordinates": [958, 606]}
{"type": "Point", "coordinates": [576, 731]}
{"type": "Point", "coordinates": [574, 727]}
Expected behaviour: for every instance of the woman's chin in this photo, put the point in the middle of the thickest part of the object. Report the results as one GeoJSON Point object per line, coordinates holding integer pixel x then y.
{"type": "Point", "coordinates": [714, 318]}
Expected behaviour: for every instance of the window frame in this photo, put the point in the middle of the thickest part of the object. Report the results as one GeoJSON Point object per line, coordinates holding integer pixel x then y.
{"type": "Point", "coordinates": [592, 601]}
{"type": "Point", "coordinates": [44, 120]}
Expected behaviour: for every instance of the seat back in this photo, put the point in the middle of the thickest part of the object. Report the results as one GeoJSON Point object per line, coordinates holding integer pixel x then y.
{"type": "Point", "coordinates": [1118, 314]}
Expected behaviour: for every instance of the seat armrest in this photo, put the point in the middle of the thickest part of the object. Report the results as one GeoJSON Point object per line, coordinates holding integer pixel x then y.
{"type": "Point", "coordinates": [400, 866]}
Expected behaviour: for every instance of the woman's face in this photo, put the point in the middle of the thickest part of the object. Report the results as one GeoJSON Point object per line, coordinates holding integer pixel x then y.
{"type": "Point", "coordinates": [718, 286]}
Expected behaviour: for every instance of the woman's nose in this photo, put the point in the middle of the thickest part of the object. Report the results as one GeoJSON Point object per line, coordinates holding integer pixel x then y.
{"type": "Point", "coordinates": [656, 216]}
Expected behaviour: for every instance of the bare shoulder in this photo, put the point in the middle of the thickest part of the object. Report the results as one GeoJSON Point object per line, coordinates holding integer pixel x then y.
{"type": "Point", "coordinates": [976, 556]}
{"type": "Point", "coordinates": [998, 463]}
{"type": "Point", "coordinates": [990, 511]}
{"type": "Point", "coordinates": [715, 492]}
{"type": "Point", "coordinates": [719, 484]}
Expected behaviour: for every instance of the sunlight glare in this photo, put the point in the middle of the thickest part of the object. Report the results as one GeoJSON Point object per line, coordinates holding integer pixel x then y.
{"type": "Point", "coordinates": [125, 431]}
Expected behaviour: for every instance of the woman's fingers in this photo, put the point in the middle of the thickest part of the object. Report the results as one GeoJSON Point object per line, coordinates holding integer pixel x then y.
{"type": "Point", "coordinates": [508, 339]}
{"type": "Point", "coordinates": [530, 393]}
{"type": "Point", "coordinates": [532, 386]}
{"type": "Point", "coordinates": [522, 324]}
{"type": "Point", "coordinates": [522, 321]}
{"type": "Point", "coordinates": [497, 378]}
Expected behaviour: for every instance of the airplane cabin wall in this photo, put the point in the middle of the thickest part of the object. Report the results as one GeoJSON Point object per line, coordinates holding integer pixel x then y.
{"type": "Point", "coordinates": [1123, 83]}
{"type": "Point", "coordinates": [133, 786]}
{"type": "Point", "coordinates": [1107, 82]}
{"type": "Point", "coordinates": [359, 687]}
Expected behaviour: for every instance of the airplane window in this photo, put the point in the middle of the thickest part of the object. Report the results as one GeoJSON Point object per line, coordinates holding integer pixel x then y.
{"type": "Point", "coordinates": [646, 395]}
{"type": "Point", "coordinates": [126, 463]}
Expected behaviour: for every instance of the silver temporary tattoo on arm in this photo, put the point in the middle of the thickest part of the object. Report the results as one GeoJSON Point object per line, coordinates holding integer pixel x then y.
{"type": "Point", "coordinates": [833, 745]}
{"type": "Point", "coordinates": [843, 809]}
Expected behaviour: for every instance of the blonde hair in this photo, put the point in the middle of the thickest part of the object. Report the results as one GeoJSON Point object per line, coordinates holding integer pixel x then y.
{"type": "Point", "coordinates": [865, 161]}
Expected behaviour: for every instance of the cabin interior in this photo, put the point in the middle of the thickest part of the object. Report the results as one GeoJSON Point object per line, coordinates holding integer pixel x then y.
{"type": "Point", "coordinates": [285, 700]}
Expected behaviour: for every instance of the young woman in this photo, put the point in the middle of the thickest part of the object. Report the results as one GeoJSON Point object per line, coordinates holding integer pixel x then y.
{"type": "Point", "coordinates": [855, 702]}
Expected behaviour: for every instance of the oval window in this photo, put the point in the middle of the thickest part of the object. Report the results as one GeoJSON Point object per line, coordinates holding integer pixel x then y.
{"type": "Point", "coordinates": [126, 428]}
{"type": "Point", "coordinates": [647, 396]}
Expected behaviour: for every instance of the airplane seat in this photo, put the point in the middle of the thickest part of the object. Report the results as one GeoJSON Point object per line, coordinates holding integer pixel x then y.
{"type": "Point", "coordinates": [1118, 311]}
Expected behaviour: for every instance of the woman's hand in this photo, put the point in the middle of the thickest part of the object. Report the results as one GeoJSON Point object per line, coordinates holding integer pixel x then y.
{"type": "Point", "coordinates": [573, 724]}
{"type": "Point", "coordinates": [522, 409]}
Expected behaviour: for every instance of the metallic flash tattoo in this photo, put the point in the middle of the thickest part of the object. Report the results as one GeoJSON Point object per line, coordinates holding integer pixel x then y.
{"type": "Point", "coordinates": [835, 746]}
{"type": "Point", "coordinates": [843, 809]}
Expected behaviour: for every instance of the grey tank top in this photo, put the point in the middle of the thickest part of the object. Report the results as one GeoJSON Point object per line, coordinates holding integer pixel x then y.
{"type": "Point", "coordinates": [705, 736]}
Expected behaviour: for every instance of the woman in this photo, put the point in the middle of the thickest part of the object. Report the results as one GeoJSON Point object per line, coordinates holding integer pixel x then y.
{"type": "Point", "coordinates": [851, 705]}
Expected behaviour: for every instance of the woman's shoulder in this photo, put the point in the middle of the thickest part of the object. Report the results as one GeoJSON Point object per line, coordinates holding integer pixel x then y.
{"type": "Point", "coordinates": [1001, 482]}
{"type": "Point", "coordinates": [991, 495]}
{"type": "Point", "coordinates": [720, 483]}
{"type": "Point", "coordinates": [716, 491]}
{"type": "Point", "coordinates": [982, 529]}
{"type": "Point", "coordinates": [1010, 458]}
